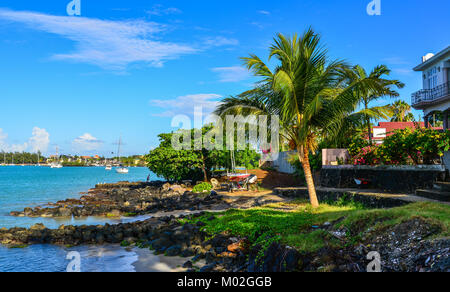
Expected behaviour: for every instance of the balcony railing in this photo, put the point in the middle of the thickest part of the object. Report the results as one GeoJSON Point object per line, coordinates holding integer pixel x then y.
{"type": "Point", "coordinates": [430, 95]}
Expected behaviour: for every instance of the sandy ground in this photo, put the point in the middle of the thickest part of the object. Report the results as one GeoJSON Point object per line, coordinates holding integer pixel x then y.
{"type": "Point", "coordinates": [149, 262]}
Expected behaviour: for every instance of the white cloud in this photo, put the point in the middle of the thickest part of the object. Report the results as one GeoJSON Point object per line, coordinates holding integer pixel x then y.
{"type": "Point", "coordinates": [108, 44]}
{"type": "Point", "coordinates": [39, 141]}
{"type": "Point", "coordinates": [86, 142]}
{"type": "Point", "coordinates": [185, 105]}
{"type": "Point", "coordinates": [232, 74]}
{"type": "Point", "coordinates": [221, 41]}
{"type": "Point", "coordinates": [159, 10]}
{"type": "Point", "coordinates": [265, 12]}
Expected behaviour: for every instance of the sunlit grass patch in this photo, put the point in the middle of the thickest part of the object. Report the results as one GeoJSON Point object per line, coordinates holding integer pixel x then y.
{"type": "Point", "coordinates": [297, 224]}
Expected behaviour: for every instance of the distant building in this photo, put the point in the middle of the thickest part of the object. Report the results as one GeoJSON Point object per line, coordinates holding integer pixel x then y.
{"type": "Point", "coordinates": [435, 95]}
{"type": "Point", "coordinates": [386, 129]}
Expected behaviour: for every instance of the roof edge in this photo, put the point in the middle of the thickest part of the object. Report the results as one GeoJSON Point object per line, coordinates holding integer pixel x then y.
{"type": "Point", "coordinates": [432, 59]}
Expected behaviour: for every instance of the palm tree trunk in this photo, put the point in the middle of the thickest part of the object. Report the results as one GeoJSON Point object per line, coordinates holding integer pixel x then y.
{"type": "Point", "coordinates": [369, 129]}
{"type": "Point", "coordinates": [304, 160]}
{"type": "Point", "coordinates": [205, 174]}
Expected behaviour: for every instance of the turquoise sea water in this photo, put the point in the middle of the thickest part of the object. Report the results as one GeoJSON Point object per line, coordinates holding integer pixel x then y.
{"type": "Point", "coordinates": [30, 186]}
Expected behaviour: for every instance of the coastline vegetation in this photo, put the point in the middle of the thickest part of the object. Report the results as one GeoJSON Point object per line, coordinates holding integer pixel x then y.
{"type": "Point", "coordinates": [191, 164]}
{"type": "Point", "coordinates": [314, 97]}
{"type": "Point", "coordinates": [298, 225]}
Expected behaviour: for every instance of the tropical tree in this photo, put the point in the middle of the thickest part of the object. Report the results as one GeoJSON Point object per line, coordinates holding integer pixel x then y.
{"type": "Point", "coordinates": [191, 163]}
{"type": "Point", "coordinates": [310, 94]}
{"type": "Point", "coordinates": [367, 114]}
{"type": "Point", "coordinates": [401, 112]}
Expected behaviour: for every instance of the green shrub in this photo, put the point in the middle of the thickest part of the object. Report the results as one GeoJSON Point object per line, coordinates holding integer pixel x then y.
{"type": "Point", "coordinates": [202, 188]}
{"type": "Point", "coordinates": [403, 147]}
{"type": "Point", "coordinates": [357, 143]}
{"type": "Point", "coordinates": [369, 155]}
{"type": "Point", "coordinates": [315, 160]}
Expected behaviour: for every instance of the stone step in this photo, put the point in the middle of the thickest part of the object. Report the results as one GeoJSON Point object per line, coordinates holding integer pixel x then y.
{"type": "Point", "coordinates": [442, 186]}
{"type": "Point", "coordinates": [434, 194]}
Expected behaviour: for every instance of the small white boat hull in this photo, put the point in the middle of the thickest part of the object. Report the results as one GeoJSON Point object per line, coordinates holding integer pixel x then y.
{"type": "Point", "coordinates": [122, 170]}
{"type": "Point", "coordinates": [56, 166]}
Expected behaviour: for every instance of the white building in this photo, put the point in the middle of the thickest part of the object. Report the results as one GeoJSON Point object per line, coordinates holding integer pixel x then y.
{"type": "Point", "coordinates": [435, 95]}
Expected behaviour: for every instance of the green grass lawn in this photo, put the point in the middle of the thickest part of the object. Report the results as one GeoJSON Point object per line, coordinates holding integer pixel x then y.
{"type": "Point", "coordinates": [296, 224]}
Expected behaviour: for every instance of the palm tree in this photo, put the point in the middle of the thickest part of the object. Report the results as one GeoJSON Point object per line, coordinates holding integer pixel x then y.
{"type": "Point", "coordinates": [368, 114]}
{"type": "Point", "coordinates": [310, 94]}
{"type": "Point", "coordinates": [401, 112]}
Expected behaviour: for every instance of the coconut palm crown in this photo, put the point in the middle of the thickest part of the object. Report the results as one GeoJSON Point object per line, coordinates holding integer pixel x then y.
{"type": "Point", "coordinates": [311, 94]}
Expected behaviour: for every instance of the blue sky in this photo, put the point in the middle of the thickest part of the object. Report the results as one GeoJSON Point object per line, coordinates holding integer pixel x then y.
{"type": "Point", "coordinates": [126, 67]}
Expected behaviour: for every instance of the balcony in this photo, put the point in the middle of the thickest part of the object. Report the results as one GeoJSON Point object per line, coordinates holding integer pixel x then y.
{"type": "Point", "coordinates": [425, 97]}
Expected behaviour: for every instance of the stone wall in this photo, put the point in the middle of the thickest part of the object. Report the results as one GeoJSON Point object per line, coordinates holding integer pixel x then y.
{"type": "Point", "coordinates": [331, 156]}
{"type": "Point", "coordinates": [325, 195]}
{"type": "Point", "coordinates": [398, 179]}
{"type": "Point", "coordinates": [446, 160]}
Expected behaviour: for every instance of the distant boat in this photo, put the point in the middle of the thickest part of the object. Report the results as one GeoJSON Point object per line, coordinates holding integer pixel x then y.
{"type": "Point", "coordinates": [56, 164]}
{"type": "Point", "coordinates": [108, 167]}
{"type": "Point", "coordinates": [121, 169]}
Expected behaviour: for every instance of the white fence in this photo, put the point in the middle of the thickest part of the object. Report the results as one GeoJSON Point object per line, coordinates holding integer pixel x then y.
{"type": "Point", "coordinates": [282, 163]}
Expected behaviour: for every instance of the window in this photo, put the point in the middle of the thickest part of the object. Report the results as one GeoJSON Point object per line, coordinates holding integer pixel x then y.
{"type": "Point", "coordinates": [432, 78]}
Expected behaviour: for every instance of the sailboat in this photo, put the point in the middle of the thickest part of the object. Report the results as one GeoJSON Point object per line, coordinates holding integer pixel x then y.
{"type": "Point", "coordinates": [4, 159]}
{"type": "Point", "coordinates": [121, 169]}
{"type": "Point", "coordinates": [108, 166]}
{"type": "Point", "coordinates": [12, 160]}
{"type": "Point", "coordinates": [56, 164]}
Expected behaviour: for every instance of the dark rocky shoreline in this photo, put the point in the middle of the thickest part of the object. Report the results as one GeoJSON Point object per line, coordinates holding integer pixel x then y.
{"type": "Point", "coordinates": [126, 199]}
{"type": "Point", "coordinates": [404, 247]}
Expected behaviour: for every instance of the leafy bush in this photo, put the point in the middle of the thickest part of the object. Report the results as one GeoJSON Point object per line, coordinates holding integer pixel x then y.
{"type": "Point", "coordinates": [357, 143]}
{"type": "Point", "coordinates": [315, 160]}
{"type": "Point", "coordinates": [202, 188]}
{"type": "Point", "coordinates": [405, 147]}
{"type": "Point", "coordinates": [367, 156]}
{"type": "Point", "coordinates": [420, 146]}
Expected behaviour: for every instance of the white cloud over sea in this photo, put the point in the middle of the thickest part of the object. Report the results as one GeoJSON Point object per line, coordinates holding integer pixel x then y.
{"type": "Point", "coordinates": [86, 142]}
{"type": "Point", "coordinates": [39, 141]}
{"type": "Point", "coordinates": [113, 45]}
{"type": "Point", "coordinates": [108, 44]}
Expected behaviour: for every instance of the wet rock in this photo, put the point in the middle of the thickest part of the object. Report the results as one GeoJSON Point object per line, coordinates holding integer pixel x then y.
{"type": "Point", "coordinates": [173, 251]}
{"type": "Point", "coordinates": [207, 268]}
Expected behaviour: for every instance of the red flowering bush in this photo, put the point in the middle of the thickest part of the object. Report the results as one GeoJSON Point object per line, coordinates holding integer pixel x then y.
{"type": "Point", "coordinates": [367, 156]}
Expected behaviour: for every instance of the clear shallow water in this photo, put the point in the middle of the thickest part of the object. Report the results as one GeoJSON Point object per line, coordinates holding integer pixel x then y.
{"type": "Point", "coordinates": [30, 186]}
{"type": "Point", "coordinates": [49, 258]}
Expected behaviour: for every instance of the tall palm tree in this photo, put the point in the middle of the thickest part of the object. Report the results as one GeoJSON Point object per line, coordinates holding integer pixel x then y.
{"type": "Point", "coordinates": [367, 114]}
{"type": "Point", "coordinates": [401, 112]}
{"type": "Point", "coordinates": [310, 94]}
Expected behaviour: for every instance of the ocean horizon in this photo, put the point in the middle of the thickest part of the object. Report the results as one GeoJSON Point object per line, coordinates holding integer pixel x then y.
{"type": "Point", "coordinates": [31, 186]}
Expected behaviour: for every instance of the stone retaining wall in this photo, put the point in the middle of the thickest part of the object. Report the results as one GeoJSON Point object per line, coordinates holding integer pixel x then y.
{"type": "Point", "coordinates": [399, 179]}
{"type": "Point", "coordinates": [369, 201]}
